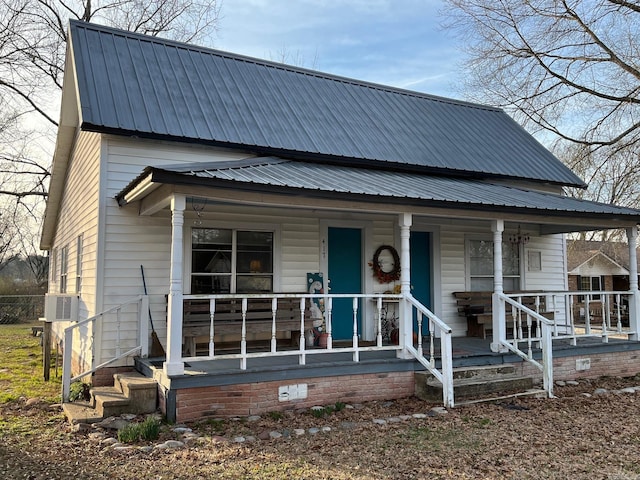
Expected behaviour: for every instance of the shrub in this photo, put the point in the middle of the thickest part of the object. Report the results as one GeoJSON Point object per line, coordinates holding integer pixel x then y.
{"type": "Point", "coordinates": [275, 415]}
{"type": "Point", "coordinates": [134, 432]}
{"type": "Point", "coordinates": [79, 391]}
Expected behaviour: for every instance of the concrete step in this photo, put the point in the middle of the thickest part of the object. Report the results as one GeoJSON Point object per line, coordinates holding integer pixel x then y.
{"type": "Point", "coordinates": [109, 401]}
{"type": "Point", "coordinates": [80, 412]}
{"type": "Point", "coordinates": [141, 391]}
{"type": "Point", "coordinates": [474, 384]}
{"type": "Point", "coordinates": [131, 393]}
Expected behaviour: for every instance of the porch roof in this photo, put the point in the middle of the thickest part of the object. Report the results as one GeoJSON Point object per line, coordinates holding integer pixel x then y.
{"type": "Point", "coordinates": [276, 175]}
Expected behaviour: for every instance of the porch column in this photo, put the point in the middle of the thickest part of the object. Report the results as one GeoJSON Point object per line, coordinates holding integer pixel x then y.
{"type": "Point", "coordinates": [634, 301]}
{"type": "Point", "coordinates": [406, 321]}
{"type": "Point", "coordinates": [174, 364]}
{"type": "Point", "coordinates": [499, 327]}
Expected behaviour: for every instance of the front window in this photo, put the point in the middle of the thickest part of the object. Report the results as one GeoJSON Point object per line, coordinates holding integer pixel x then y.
{"type": "Point", "coordinates": [231, 261]}
{"type": "Point", "coordinates": [480, 255]}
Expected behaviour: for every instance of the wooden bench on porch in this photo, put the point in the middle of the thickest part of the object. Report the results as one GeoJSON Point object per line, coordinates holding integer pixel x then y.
{"type": "Point", "coordinates": [477, 307]}
{"type": "Point", "coordinates": [228, 321]}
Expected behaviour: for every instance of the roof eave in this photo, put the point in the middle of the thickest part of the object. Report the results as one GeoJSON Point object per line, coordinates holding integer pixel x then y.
{"type": "Point", "coordinates": [312, 157]}
{"type": "Point", "coordinates": [68, 127]}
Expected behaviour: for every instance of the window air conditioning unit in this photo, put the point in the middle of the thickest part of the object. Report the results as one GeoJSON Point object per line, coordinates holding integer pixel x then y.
{"type": "Point", "coordinates": [61, 308]}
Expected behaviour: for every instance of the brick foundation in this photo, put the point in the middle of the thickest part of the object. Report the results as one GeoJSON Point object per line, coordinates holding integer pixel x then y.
{"type": "Point", "coordinates": [259, 398]}
{"type": "Point", "coordinates": [104, 376]}
{"type": "Point", "coordinates": [613, 364]}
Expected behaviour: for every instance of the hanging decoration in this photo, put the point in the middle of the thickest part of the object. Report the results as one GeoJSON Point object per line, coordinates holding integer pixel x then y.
{"type": "Point", "coordinates": [198, 208]}
{"type": "Point", "coordinates": [519, 238]}
{"type": "Point", "coordinates": [386, 264]}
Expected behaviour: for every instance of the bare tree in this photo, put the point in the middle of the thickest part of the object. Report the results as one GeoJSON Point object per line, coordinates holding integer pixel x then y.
{"type": "Point", "coordinates": [33, 36]}
{"type": "Point", "coordinates": [570, 68]}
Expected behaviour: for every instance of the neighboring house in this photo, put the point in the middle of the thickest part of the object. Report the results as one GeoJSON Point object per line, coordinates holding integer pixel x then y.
{"type": "Point", "coordinates": [234, 180]}
{"type": "Point", "coordinates": [597, 266]}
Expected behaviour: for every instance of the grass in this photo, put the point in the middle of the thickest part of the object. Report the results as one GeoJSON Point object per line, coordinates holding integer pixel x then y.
{"type": "Point", "coordinates": [148, 430]}
{"type": "Point", "coordinates": [21, 371]}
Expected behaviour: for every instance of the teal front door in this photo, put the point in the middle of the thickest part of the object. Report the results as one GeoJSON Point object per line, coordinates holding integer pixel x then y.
{"type": "Point", "coordinates": [420, 247]}
{"type": "Point", "coordinates": [345, 276]}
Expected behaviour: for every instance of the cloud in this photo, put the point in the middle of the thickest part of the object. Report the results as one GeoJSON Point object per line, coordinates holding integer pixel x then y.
{"type": "Point", "coordinates": [383, 41]}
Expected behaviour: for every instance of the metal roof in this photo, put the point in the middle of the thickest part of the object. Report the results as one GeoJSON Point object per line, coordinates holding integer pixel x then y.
{"type": "Point", "coordinates": [133, 84]}
{"type": "Point", "coordinates": [278, 175]}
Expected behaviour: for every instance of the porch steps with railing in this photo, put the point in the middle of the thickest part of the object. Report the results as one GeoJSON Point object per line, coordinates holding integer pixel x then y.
{"type": "Point", "coordinates": [131, 393]}
{"type": "Point", "coordinates": [472, 384]}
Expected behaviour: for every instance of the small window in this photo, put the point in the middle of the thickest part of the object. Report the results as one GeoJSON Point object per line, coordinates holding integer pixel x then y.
{"type": "Point", "coordinates": [79, 264]}
{"type": "Point", "coordinates": [480, 255]}
{"type": "Point", "coordinates": [53, 267]}
{"type": "Point", "coordinates": [64, 265]}
{"type": "Point", "coordinates": [591, 284]}
{"type": "Point", "coordinates": [231, 261]}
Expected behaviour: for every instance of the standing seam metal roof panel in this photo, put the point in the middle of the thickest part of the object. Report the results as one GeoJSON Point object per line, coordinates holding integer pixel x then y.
{"type": "Point", "coordinates": [300, 175]}
{"type": "Point", "coordinates": [319, 114]}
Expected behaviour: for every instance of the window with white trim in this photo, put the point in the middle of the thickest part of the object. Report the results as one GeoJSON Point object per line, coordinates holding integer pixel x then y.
{"type": "Point", "coordinates": [78, 264]}
{"type": "Point", "coordinates": [64, 265]}
{"type": "Point", "coordinates": [591, 284]}
{"type": "Point", "coordinates": [231, 261]}
{"type": "Point", "coordinates": [480, 269]}
{"type": "Point", "coordinates": [53, 266]}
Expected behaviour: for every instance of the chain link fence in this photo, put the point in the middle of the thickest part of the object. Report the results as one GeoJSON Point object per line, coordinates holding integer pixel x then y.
{"type": "Point", "coordinates": [21, 308]}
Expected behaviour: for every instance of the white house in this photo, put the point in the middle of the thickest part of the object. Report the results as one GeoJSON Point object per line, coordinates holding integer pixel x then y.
{"type": "Point", "coordinates": [234, 181]}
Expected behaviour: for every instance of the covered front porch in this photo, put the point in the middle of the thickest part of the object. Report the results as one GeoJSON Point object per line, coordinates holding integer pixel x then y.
{"type": "Point", "coordinates": [457, 235]}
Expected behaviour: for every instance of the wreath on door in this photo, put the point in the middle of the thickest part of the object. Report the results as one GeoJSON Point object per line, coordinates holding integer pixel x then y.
{"type": "Point", "coordinates": [387, 271]}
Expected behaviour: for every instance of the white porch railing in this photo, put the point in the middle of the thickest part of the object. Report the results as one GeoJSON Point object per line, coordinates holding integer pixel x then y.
{"type": "Point", "coordinates": [562, 316]}
{"type": "Point", "coordinates": [585, 314]}
{"type": "Point", "coordinates": [428, 326]}
{"type": "Point", "coordinates": [86, 329]}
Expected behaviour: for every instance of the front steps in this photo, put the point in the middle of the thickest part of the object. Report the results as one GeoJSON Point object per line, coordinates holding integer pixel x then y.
{"type": "Point", "coordinates": [131, 393]}
{"type": "Point", "coordinates": [473, 384]}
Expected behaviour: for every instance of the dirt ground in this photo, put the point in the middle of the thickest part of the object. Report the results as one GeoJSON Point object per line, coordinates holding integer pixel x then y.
{"type": "Point", "coordinates": [572, 436]}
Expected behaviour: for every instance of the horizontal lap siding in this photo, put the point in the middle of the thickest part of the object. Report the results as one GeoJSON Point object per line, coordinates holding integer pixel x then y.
{"type": "Point", "coordinates": [453, 275]}
{"type": "Point", "coordinates": [132, 240]}
{"type": "Point", "coordinates": [78, 215]}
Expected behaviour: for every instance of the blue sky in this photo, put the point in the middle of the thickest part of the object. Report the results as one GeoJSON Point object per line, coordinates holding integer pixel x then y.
{"type": "Point", "coordinates": [393, 42]}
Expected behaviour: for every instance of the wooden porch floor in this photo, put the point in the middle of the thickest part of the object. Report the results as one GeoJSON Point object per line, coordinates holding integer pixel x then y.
{"type": "Point", "coordinates": [467, 352]}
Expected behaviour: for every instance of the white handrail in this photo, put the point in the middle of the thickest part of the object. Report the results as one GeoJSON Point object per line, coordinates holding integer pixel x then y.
{"type": "Point", "coordinates": [445, 375]}
{"type": "Point", "coordinates": [143, 319]}
{"type": "Point", "coordinates": [546, 325]}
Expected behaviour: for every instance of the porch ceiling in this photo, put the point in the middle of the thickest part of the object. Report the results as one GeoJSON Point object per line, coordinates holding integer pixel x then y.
{"type": "Point", "coordinates": [409, 190]}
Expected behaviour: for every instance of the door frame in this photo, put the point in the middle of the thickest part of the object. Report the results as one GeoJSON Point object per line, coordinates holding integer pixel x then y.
{"type": "Point", "coordinates": [436, 260]}
{"type": "Point", "coordinates": [366, 226]}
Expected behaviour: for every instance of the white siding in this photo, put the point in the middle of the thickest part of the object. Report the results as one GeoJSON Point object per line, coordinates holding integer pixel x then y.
{"type": "Point", "coordinates": [79, 216]}
{"type": "Point", "coordinates": [453, 276]}
{"type": "Point", "coordinates": [132, 240]}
